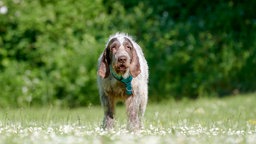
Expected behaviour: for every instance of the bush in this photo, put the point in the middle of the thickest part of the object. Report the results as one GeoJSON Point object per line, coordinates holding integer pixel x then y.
{"type": "Point", "coordinates": [55, 50]}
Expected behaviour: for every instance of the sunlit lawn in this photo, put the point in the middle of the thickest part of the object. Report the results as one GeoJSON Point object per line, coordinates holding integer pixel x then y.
{"type": "Point", "coordinates": [227, 120]}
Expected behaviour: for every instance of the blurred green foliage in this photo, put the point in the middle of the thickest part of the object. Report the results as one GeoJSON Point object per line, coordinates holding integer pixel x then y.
{"type": "Point", "coordinates": [49, 48]}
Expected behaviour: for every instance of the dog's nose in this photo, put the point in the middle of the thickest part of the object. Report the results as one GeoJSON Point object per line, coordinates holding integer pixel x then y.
{"type": "Point", "coordinates": [122, 59]}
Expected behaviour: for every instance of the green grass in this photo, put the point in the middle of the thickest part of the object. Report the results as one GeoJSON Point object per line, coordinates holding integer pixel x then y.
{"type": "Point", "coordinates": [227, 120]}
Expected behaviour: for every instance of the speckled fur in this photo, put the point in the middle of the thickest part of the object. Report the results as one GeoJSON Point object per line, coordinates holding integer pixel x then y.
{"type": "Point", "coordinates": [112, 90]}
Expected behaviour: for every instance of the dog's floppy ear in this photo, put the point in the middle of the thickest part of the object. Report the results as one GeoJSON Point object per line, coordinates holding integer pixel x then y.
{"type": "Point", "coordinates": [105, 60]}
{"type": "Point", "coordinates": [135, 64]}
{"type": "Point", "coordinates": [103, 70]}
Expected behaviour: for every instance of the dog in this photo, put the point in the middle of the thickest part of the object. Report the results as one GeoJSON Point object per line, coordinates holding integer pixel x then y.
{"type": "Point", "coordinates": [123, 76]}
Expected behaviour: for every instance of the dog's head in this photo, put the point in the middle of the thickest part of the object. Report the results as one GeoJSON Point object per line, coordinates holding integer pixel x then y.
{"type": "Point", "coordinates": [121, 55]}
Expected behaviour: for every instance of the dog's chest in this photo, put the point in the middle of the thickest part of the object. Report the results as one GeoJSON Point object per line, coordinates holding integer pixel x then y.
{"type": "Point", "coordinates": [114, 88]}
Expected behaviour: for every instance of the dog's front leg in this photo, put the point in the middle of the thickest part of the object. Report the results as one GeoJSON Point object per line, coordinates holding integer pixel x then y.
{"type": "Point", "coordinates": [132, 109]}
{"type": "Point", "coordinates": [109, 112]}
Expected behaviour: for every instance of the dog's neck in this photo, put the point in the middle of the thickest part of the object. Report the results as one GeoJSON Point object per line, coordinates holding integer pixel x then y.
{"type": "Point", "coordinates": [127, 81]}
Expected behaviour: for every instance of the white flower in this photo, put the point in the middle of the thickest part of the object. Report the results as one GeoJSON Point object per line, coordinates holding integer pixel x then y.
{"type": "Point", "coordinates": [3, 10]}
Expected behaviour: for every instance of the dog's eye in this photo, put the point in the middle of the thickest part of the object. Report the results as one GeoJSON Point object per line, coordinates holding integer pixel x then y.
{"type": "Point", "coordinates": [129, 47]}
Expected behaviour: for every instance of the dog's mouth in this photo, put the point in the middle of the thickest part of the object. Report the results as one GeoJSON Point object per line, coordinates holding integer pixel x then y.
{"type": "Point", "coordinates": [121, 69]}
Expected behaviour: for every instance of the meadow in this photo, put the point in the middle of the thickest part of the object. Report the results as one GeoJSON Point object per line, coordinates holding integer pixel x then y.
{"type": "Point", "coordinates": [206, 120]}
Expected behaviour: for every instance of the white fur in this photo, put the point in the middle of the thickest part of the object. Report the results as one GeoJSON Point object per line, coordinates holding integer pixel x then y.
{"type": "Point", "coordinates": [135, 104]}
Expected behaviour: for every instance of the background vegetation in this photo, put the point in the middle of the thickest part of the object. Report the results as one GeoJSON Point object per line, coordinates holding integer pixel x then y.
{"type": "Point", "coordinates": [49, 48]}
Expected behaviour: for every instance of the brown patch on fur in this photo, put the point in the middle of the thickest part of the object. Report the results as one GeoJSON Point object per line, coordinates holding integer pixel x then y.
{"type": "Point", "coordinates": [103, 70]}
{"type": "Point", "coordinates": [128, 46]}
{"type": "Point", "coordinates": [135, 64]}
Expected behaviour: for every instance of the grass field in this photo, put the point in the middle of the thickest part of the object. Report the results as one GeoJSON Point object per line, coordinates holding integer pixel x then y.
{"type": "Point", "coordinates": [228, 120]}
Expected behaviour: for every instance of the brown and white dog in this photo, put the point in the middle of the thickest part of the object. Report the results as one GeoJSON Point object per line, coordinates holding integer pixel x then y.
{"type": "Point", "coordinates": [123, 76]}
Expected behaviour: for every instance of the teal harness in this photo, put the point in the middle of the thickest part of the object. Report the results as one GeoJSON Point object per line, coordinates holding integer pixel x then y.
{"type": "Point", "coordinates": [127, 81]}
